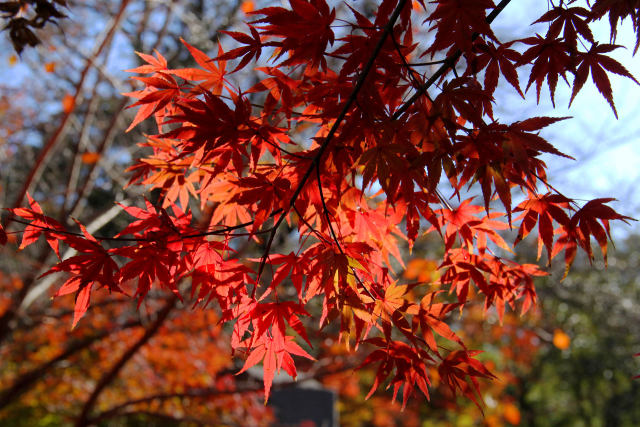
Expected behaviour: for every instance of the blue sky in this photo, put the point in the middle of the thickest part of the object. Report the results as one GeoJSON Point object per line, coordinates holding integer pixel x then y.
{"type": "Point", "coordinates": [607, 150]}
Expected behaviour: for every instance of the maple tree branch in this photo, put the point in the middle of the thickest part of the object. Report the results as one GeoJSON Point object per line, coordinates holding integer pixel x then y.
{"type": "Point", "coordinates": [325, 210]}
{"type": "Point", "coordinates": [277, 147]}
{"type": "Point", "coordinates": [225, 230]}
{"type": "Point", "coordinates": [111, 375]}
{"type": "Point", "coordinates": [449, 62]}
{"type": "Point", "coordinates": [404, 61]}
{"type": "Point", "coordinates": [261, 107]}
{"type": "Point", "coordinates": [333, 233]}
{"type": "Point", "coordinates": [69, 233]}
{"type": "Point", "coordinates": [313, 230]}
{"type": "Point", "coordinates": [554, 189]}
{"type": "Point", "coordinates": [218, 232]}
{"type": "Point", "coordinates": [334, 128]}
{"type": "Point", "coordinates": [425, 64]}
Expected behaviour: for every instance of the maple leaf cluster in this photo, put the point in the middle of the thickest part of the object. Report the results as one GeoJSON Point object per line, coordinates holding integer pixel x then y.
{"type": "Point", "coordinates": [25, 17]}
{"type": "Point", "coordinates": [352, 143]}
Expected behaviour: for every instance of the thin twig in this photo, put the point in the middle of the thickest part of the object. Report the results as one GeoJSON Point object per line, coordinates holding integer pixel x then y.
{"type": "Point", "coordinates": [333, 233]}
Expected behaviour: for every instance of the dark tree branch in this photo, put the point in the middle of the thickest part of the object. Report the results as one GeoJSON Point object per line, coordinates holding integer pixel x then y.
{"type": "Point", "coordinates": [448, 63]}
{"type": "Point", "coordinates": [28, 379]}
{"type": "Point", "coordinates": [343, 113]}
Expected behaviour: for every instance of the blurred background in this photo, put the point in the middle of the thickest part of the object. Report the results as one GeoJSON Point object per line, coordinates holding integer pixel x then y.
{"type": "Point", "coordinates": [62, 137]}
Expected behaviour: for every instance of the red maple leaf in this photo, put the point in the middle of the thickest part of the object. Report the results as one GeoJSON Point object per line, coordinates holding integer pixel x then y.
{"type": "Point", "coordinates": [597, 63]}
{"type": "Point", "coordinates": [160, 89]}
{"type": "Point", "coordinates": [252, 50]}
{"type": "Point", "coordinates": [495, 60]}
{"type": "Point", "coordinates": [409, 364]}
{"type": "Point", "coordinates": [275, 355]}
{"type": "Point", "coordinates": [542, 210]}
{"type": "Point", "coordinates": [616, 11]}
{"type": "Point", "coordinates": [212, 77]}
{"type": "Point", "coordinates": [430, 317]}
{"type": "Point", "coordinates": [572, 19]}
{"type": "Point", "coordinates": [456, 22]}
{"type": "Point", "coordinates": [459, 366]}
{"type": "Point", "coordinates": [305, 30]}
{"type": "Point", "coordinates": [40, 225]}
{"type": "Point", "coordinates": [94, 265]}
{"type": "Point", "coordinates": [550, 58]}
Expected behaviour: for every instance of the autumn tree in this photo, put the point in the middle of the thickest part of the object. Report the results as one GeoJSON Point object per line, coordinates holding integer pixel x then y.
{"type": "Point", "coordinates": [357, 133]}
